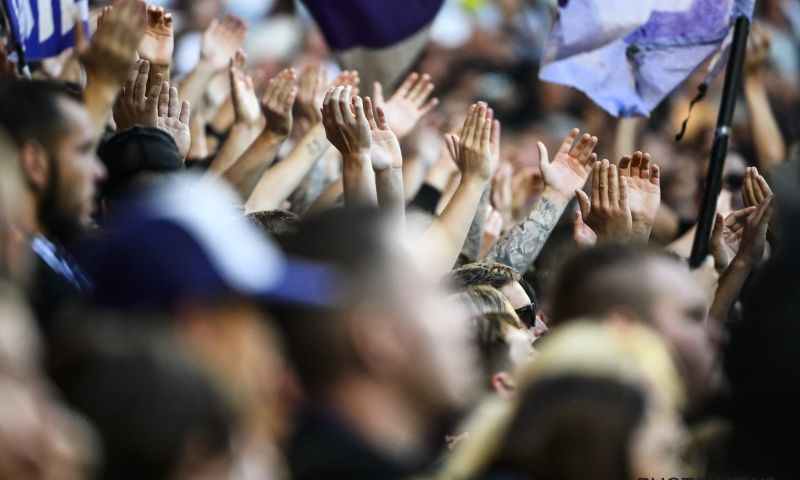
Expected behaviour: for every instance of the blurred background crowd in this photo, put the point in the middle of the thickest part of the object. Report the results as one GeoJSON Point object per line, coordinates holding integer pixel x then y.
{"type": "Point", "coordinates": [176, 305]}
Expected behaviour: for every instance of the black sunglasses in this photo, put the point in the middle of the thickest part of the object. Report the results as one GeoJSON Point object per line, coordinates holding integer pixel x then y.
{"type": "Point", "coordinates": [527, 314]}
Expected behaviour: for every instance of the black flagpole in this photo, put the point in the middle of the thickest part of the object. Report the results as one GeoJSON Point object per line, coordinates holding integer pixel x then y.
{"type": "Point", "coordinates": [719, 151]}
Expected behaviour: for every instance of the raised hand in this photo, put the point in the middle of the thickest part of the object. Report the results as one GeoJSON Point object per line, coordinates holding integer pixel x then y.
{"type": "Point", "coordinates": [310, 87]}
{"type": "Point", "coordinates": [345, 122]}
{"type": "Point", "coordinates": [158, 43]}
{"type": "Point", "coordinates": [582, 234]}
{"type": "Point", "coordinates": [174, 117]}
{"type": "Point", "coordinates": [758, 46]}
{"type": "Point", "coordinates": [608, 214]}
{"type": "Point", "coordinates": [754, 234]}
{"type": "Point", "coordinates": [726, 236]}
{"type": "Point", "coordinates": [385, 150]}
{"type": "Point", "coordinates": [278, 101]}
{"type": "Point", "coordinates": [246, 108]}
{"type": "Point", "coordinates": [571, 166]}
{"type": "Point", "coordinates": [135, 106]}
{"type": "Point", "coordinates": [408, 104]}
{"type": "Point", "coordinates": [473, 148]}
{"type": "Point", "coordinates": [221, 40]}
{"type": "Point", "coordinates": [644, 192]}
{"type": "Point", "coordinates": [755, 189]}
{"type": "Point", "coordinates": [112, 50]}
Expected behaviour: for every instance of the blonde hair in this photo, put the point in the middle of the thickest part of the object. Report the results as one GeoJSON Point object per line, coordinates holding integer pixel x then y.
{"type": "Point", "coordinates": [629, 353]}
{"type": "Point", "coordinates": [482, 299]}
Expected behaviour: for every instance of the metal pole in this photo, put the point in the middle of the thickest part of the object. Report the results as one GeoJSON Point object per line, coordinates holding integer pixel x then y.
{"type": "Point", "coordinates": [719, 151]}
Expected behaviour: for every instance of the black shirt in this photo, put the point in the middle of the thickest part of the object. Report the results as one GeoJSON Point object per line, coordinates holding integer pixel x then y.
{"type": "Point", "coordinates": [325, 447]}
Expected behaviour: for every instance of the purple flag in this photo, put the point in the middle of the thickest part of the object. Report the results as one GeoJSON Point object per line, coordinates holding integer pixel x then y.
{"type": "Point", "coordinates": [628, 56]}
{"type": "Point", "coordinates": [379, 38]}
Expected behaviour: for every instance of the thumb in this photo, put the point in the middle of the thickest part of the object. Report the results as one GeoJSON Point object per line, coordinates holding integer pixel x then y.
{"type": "Point", "coordinates": [544, 159]}
{"type": "Point", "coordinates": [716, 231]}
{"type": "Point", "coordinates": [583, 200]}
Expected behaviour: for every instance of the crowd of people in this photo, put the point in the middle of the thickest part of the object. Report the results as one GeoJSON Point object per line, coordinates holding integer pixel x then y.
{"type": "Point", "coordinates": [223, 257]}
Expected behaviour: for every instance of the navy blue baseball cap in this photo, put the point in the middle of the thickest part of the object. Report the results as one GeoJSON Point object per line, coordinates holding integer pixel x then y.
{"type": "Point", "coordinates": [192, 241]}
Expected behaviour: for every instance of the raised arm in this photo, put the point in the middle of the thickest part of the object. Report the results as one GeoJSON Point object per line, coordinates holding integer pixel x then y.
{"type": "Point", "coordinates": [247, 121]}
{"type": "Point", "coordinates": [769, 143]}
{"type": "Point", "coordinates": [277, 104]}
{"type": "Point", "coordinates": [448, 232]}
{"type": "Point", "coordinates": [158, 43]}
{"type": "Point", "coordinates": [567, 173]}
{"type": "Point", "coordinates": [221, 40]}
{"type": "Point", "coordinates": [278, 183]}
{"type": "Point", "coordinates": [387, 163]}
{"type": "Point", "coordinates": [109, 57]}
{"type": "Point", "coordinates": [347, 128]}
{"type": "Point", "coordinates": [472, 246]}
{"type": "Point", "coordinates": [747, 259]}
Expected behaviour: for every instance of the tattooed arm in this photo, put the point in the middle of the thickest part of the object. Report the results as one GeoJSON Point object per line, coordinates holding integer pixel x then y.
{"type": "Point", "coordinates": [283, 178]}
{"type": "Point", "coordinates": [519, 247]}
{"type": "Point", "coordinates": [472, 246]}
{"type": "Point", "coordinates": [568, 172]}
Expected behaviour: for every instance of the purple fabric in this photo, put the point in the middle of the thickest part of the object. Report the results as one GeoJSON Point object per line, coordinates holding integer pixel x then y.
{"type": "Point", "coordinates": [371, 23]}
{"type": "Point", "coordinates": [627, 61]}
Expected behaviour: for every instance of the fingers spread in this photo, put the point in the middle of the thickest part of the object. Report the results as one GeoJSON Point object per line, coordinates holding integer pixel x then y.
{"type": "Point", "coordinates": [409, 82]}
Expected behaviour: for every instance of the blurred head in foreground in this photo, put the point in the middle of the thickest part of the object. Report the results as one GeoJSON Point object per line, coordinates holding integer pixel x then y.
{"type": "Point", "coordinates": [156, 411]}
{"type": "Point", "coordinates": [392, 356]}
{"type": "Point", "coordinates": [181, 251]}
{"type": "Point", "coordinates": [601, 401]}
{"type": "Point", "coordinates": [646, 287]}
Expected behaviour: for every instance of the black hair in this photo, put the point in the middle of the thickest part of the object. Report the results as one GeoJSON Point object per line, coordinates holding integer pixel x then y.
{"type": "Point", "coordinates": [595, 281]}
{"type": "Point", "coordinates": [29, 110]}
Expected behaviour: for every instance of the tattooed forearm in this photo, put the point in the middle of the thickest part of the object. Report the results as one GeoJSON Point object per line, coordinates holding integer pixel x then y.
{"type": "Point", "coordinates": [317, 147]}
{"type": "Point", "coordinates": [472, 246]}
{"type": "Point", "coordinates": [520, 247]}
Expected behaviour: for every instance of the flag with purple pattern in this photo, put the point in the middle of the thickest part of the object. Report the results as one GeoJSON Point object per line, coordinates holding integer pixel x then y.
{"type": "Point", "coordinates": [45, 28]}
{"type": "Point", "coordinates": [628, 56]}
{"type": "Point", "coordinates": [379, 38]}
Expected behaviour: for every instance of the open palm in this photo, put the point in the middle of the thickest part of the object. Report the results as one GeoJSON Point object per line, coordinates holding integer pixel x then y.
{"type": "Point", "coordinates": [409, 103]}
{"type": "Point", "coordinates": [572, 164]}
{"type": "Point", "coordinates": [385, 151]}
{"type": "Point", "coordinates": [158, 42]}
{"type": "Point", "coordinates": [644, 186]}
